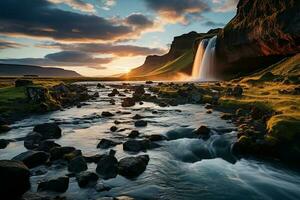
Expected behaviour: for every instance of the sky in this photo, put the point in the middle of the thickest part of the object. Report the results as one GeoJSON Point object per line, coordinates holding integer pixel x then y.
{"type": "Point", "coordinates": [101, 37]}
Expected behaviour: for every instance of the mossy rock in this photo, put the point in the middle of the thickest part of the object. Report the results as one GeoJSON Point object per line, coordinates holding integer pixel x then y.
{"type": "Point", "coordinates": [284, 128]}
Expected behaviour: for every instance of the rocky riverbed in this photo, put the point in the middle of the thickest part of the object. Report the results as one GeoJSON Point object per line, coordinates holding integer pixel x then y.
{"type": "Point", "coordinates": [141, 141]}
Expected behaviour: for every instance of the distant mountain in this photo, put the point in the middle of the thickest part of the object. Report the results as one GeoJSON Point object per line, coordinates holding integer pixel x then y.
{"type": "Point", "coordinates": [21, 70]}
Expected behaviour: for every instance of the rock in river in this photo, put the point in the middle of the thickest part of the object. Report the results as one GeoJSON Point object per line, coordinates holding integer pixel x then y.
{"type": "Point", "coordinates": [131, 167]}
{"type": "Point", "coordinates": [140, 123]}
{"type": "Point", "coordinates": [59, 152]}
{"type": "Point", "coordinates": [77, 165]}
{"type": "Point", "coordinates": [14, 181]}
{"type": "Point", "coordinates": [136, 145]}
{"type": "Point", "coordinates": [107, 114]}
{"type": "Point", "coordinates": [3, 143]}
{"type": "Point", "coordinates": [203, 131]}
{"type": "Point", "coordinates": [32, 158]}
{"type": "Point", "coordinates": [86, 179]}
{"type": "Point", "coordinates": [105, 144]}
{"type": "Point", "coordinates": [107, 167]}
{"type": "Point", "coordinates": [48, 130]}
{"type": "Point", "coordinates": [60, 184]}
{"type": "Point", "coordinates": [128, 102]}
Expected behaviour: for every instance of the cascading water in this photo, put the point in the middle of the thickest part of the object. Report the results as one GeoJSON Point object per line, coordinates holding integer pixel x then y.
{"type": "Point", "coordinates": [204, 68]}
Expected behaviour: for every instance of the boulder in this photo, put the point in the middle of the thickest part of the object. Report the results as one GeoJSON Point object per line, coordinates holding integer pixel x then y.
{"type": "Point", "coordinates": [60, 185]}
{"type": "Point", "coordinates": [14, 181]}
{"type": "Point", "coordinates": [237, 91]}
{"type": "Point", "coordinates": [32, 140]}
{"type": "Point", "coordinates": [100, 187]}
{"type": "Point", "coordinates": [23, 82]}
{"type": "Point", "coordinates": [139, 91]}
{"type": "Point", "coordinates": [48, 130]}
{"type": "Point", "coordinates": [3, 143]}
{"type": "Point", "coordinates": [59, 152]}
{"type": "Point", "coordinates": [226, 116]}
{"type": "Point", "coordinates": [93, 158]}
{"type": "Point", "coordinates": [32, 158]}
{"type": "Point", "coordinates": [137, 116]}
{"type": "Point", "coordinates": [136, 145]}
{"type": "Point", "coordinates": [113, 129]}
{"type": "Point", "coordinates": [156, 137]}
{"type": "Point", "coordinates": [140, 123]}
{"type": "Point", "coordinates": [99, 85]}
{"type": "Point", "coordinates": [131, 167]}
{"type": "Point", "coordinates": [36, 94]}
{"type": "Point", "coordinates": [107, 167]}
{"type": "Point", "coordinates": [107, 114]}
{"type": "Point", "coordinates": [77, 165]}
{"type": "Point", "coordinates": [133, 134]}
{"type": "Point", "coordinates": [47, 145]}
{"type": "Point", "coordinates": [105, 144]}
{"type": "Point", "coordinates": [4, 128]}
{"type": "Point", "coordinates": [85, 179]}
{"type": "Point", "coordinates": [72, 155]}
{"type": "Point", "coordinates": [128, 102]}
{"type": "Point", "coordinates": [203, 131]}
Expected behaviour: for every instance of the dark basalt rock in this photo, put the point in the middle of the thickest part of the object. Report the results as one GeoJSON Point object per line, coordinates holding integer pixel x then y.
{"type": "Point", "coordinates": [59, 152]}
{"type": "Point", "coordinates": [113, 129]}
{"type": "Point", "coordinates": [47, 145]}
{"type": "Point", "coordinates": [133, 134]}
{"type": "Point", "coordinates": [156, 137]}
{"type": "Point", "coordinates": [131, 167]}
{"type": "Point", "coordinates": [203, 131]}
{"type": "Point", "coordinates": [93, 159]}
{"type": "Point", "coordinates": [3, 143]}
{"type": "Point", "coordinates": [105, 144]}
{"type": "Point", "coordinates": [137, 116]}
{"type": "Point", "coordinates": [14, 181]}
{"type": "Point", "coordinates": [136, 145]}
{"type": "Point", "coordinates": [107, 114]}
{"type": "Point", "coordinates": [48, 130]}
{"type": "Point", "coordinates": [107, 167]}
{"type": "Point", "coordinates": [77, 165]}
{"type": "Point", "coordinates": [4, 128]}
{"type": "Point", "coordinates": [226, 116]}
{"type": "Point", "coordinates": [128, 102]}
{"type": "Point", "coordinates": [86, 179]}
{"type": "Point", "coordinates": [60, 185]}
{"type": "Point", "coordinates": [140, 123]}
{"type": "Point", "coordinates": [32, 158]}
{"type": "Point", "coordinates": [72, 155]}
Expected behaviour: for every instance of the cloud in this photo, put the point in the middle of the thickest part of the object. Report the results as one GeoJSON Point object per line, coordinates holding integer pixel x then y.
{"type": "Point", "coordinates": [177, 11]}
{"type": "Point", "coordinates": [213, 24]}
{"type": "Point", "coordinates": [101, 48]}
{"type": "Point", "coordinates": [40, 18]}
{"type": "Point", "coordinates": [138, 20]}
{"type": "Point", "coordinates": [76, 4]}
{"type": "Point", "coordinates": [225, 5]}
{"type": "Point", "coordinates": [107, 4]}
{"type": "Point", "coordinates": [4, 44]}
{"type": "Point", "coordinates": [64, 59]}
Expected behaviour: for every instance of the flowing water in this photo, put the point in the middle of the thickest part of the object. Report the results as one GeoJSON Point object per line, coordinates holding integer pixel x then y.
{"type": "Point", "coordinates": [205, 68]}
{"type": "Point", "coordinates": [184, 167]}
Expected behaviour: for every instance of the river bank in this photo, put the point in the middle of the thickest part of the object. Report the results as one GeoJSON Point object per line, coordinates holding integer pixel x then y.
{"type": "Point", "coordinates": [186, 143]}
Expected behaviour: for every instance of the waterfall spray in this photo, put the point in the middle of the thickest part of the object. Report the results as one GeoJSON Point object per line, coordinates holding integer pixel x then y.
{"type": "Point", "coordinates": [204, 68]}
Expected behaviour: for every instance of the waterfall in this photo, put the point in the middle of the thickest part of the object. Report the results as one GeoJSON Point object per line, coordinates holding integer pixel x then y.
{"type": "Point", "coordinates": [204, 68]}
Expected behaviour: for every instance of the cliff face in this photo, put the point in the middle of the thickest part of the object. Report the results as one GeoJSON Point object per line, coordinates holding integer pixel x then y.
{"type": "Point", "coordinates": [261, 32]}
{"type": "Point", "coordinates": [179, 46]}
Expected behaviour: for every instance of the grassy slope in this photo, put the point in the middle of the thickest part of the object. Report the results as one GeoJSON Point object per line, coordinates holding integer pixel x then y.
{"type": "Point", "coordinates": [171, 68]}
{"type": "Point", "coordinates": [287, 123]}
{"type": "Point", "coordinates": [13, 99]}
